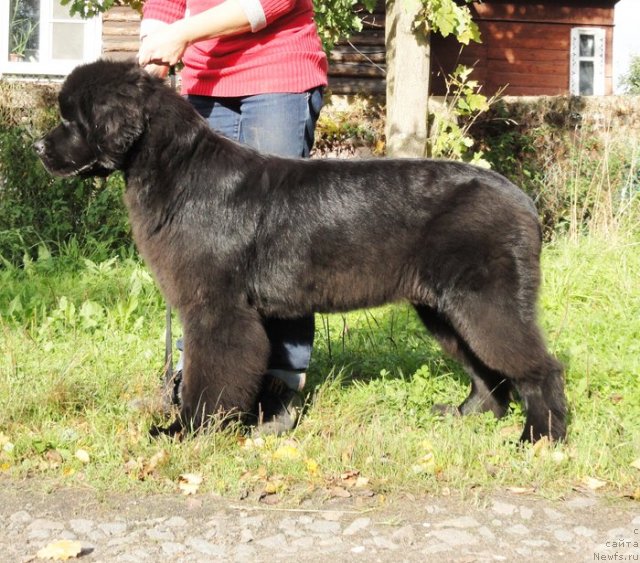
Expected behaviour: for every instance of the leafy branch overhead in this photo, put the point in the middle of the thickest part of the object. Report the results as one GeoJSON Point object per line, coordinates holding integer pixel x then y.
{"type": "Point", "coordinates": [338, 19]}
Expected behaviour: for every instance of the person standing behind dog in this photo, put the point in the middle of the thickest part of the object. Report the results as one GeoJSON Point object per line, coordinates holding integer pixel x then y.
{"type": "Point", "coordinates": [255, 69]}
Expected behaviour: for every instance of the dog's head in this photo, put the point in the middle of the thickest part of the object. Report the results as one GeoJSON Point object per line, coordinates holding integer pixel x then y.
{"type": "Point", "coordinates": [102, 111]}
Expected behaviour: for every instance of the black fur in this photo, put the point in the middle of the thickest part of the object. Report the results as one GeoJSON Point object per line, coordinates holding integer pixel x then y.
{"type": "Point", "coordinates": [233, 236]}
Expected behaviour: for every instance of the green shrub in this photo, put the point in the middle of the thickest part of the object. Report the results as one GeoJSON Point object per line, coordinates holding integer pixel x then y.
{"type": "Point", "coordinates": [631, 80]}
{"type": "Point", "coordinates": [578, 162]}
{"type": "Point", "coordinates": [37, 208]}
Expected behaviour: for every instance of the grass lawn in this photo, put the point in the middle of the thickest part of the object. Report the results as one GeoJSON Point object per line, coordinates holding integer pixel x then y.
{"type": "Point", "coordinates": [81, 339]}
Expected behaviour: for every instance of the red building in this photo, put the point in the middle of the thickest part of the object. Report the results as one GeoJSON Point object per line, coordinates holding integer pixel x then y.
{"type": "Point", "coordinates": [529, 47]}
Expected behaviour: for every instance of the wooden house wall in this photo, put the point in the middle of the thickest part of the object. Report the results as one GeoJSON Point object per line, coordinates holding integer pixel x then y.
{"type": "Point", "coordinates": [358, 65]}
{"type": "Point", "coordinates": [120, 33]}
{"type": "Point", "coordinates": [525, 46]}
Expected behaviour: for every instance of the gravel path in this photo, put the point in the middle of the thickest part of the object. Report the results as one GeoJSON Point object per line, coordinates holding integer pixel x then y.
{"type": "Point", "coordinates": [201, 528]}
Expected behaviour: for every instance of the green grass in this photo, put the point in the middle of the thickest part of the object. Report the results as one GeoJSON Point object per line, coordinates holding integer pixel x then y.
{"type": "Point", "coordinates": [79, 340]}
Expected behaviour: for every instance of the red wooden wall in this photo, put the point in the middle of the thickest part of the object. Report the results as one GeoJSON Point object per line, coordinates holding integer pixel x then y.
{"type": "Point", "coordinates": [525, 45]}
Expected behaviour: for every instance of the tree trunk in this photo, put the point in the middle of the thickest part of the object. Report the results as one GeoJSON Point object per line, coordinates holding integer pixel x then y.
{"type": "Point", "coordinates": [408, 62]}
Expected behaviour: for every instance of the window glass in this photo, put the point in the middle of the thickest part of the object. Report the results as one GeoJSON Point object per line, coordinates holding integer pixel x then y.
{"type": "Point", "coordinates": [24, 30]}
{"type": "Point", "coordinates": [587, 78]}
{"type": "Point", "coordinates": [587, 45]}
{"type": "Point", "coordinates": [68, 41]}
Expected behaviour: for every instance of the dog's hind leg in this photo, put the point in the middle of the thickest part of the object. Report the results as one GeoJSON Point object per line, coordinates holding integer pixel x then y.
{"type": "Point", "coordinates": [490, 390]}
{"type": "Point", "coordinates": [508, 341]}
{"type": "Point", "coordinates": [226, 355]}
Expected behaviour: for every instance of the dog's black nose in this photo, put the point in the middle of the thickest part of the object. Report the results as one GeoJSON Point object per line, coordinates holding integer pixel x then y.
{"type": "Point", "coordinates": [38, 146]}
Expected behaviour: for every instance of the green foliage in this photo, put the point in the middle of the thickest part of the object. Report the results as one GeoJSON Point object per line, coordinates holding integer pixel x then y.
{"type": "Point", "coordinates": [450, 126]}
{"type": "Point", "coordinates": [350, 129]}
{"type": "Point", "coordinates": [37, 208]}
{"type": "Point", "coordinates": [631, 80]}
{"type": "Point", "coordinates": [337, 19]}
{"type": "Point", "coordinates": [448, 18]}
{"type": "Point", "coordinates": [582, 174]}
{"type": "Point", "coordinates": [91, 8]}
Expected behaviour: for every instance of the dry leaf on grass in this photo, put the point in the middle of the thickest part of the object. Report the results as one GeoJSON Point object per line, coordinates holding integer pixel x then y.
{"type": "Point", "coordinates": [312, 466]}
{"type": "Point", "coordinates": [593, 484]}
{"type": "Point", "coordinates": [257, 443]}
{"type": "Point", "coordinates": [60, 550]}
{"type": "Point", "coordinates": [288, 451]}
{"type": "Point", "coordinates": [5, 443]}
{"type": "Point", "coordinates": [141, 469]}
{"type": "Point", "coordinates": [636, 463]}
{"type": "Point", "coordinates": [189, 483]}
{"type": "Point", "coordinates": [339, 492]}
{"type": "Point", "coordinates": [520, 490]}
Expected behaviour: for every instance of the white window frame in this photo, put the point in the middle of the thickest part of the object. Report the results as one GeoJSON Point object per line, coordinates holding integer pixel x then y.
{"type": "Point", "coordinates": [47, 65]}
{"type": "Point", "coordinates": [599, 35]}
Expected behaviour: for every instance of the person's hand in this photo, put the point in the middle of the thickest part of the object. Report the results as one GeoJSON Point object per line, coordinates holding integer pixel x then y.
{"type": "Point", "coordinates": [164, 47]}
{"type": "Point", "coordinates": [159, 71]}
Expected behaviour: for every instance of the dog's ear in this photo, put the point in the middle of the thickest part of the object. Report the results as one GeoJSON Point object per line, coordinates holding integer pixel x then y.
{"type": "Point", "coordinates": [118, 116]}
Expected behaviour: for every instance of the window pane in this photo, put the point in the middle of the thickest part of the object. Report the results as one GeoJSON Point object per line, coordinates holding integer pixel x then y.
{"type": "Point", "coordinates": [68, 41]}
{"type": "Point", "coordinates": [587, 77]}
{"type": "Point", "coordinates": [587, 45]}
{"type": "Point", "coordinates": [24, 39]}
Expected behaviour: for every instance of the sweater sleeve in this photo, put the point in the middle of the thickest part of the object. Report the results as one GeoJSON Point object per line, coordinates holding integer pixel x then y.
{"type": "Point", "coordinates": [166, 11]}
{"type": "Point", "coordinates": [273, 9]}
{"type": "Point", "coordinates": [261, 13]}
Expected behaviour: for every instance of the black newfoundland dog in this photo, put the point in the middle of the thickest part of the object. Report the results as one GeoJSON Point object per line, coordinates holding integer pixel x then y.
{"type": "Point", "coordinates": [233, 236]}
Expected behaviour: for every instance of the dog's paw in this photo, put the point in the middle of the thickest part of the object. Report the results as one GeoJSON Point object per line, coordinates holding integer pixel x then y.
{"type": "Point", "coordinates": [176, 428]}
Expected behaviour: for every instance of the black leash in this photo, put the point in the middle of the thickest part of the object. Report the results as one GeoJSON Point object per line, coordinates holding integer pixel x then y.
{"type": "Point", "coordinates": [169, 387]}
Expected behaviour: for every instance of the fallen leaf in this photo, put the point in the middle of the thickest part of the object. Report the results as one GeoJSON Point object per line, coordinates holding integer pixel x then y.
{"type": "Point", "coordinates": [508, 431]}
{"type": "Point", "coordinates": [636, 463]}
{"type": "Point", "coordinates": [339, 492]}
{"type": "Point", "coordinates": [5, 443]}
{"type": "Point", "coordinates": [269, 499]}
{"type": "Point", "coordinates": [350, 478]}
{"type": "Point", "coordinates": [362, 482]}
{"type": "Point", "coordinates": [155, 461]}
{"type": "Point", "coordinates": [312, 466]}
{"type": "Point", "coordinates": [520, 490]}
{"type": "Point", "coordinates": [541, 446]}
{"type": "Point", "coordinates": [189, 483]}
{"type": "Point", "coordinates": [426, 464]}
{"type": "Point", "coordinates": [253, 443]}
{"type": "Point", "coordinates": [274, 486]}
{"type": "Point", "coordinates": [83, 456]}
{"type": "Point", "coordinates": [60, 550]}
{"type": "Point", "coordinates": [288, 451]}
{"type": "Point", "coordinates": [593, 484]}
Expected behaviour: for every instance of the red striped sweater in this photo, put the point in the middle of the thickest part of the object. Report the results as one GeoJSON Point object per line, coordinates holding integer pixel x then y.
{"type": "Point", "coordinates": [282, 54]}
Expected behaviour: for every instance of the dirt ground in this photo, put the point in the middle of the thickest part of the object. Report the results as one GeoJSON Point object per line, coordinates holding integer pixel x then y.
{"type": "Point", "coordinates": [204, 527]}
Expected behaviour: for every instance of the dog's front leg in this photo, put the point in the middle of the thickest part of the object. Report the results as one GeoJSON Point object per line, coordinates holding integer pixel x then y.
{"type": "Point", "coordinates": [226, 354]}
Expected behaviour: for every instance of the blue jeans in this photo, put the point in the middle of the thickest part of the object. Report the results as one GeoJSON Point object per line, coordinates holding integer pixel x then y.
{"type": "Point", "coordinates": [280, 124]}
